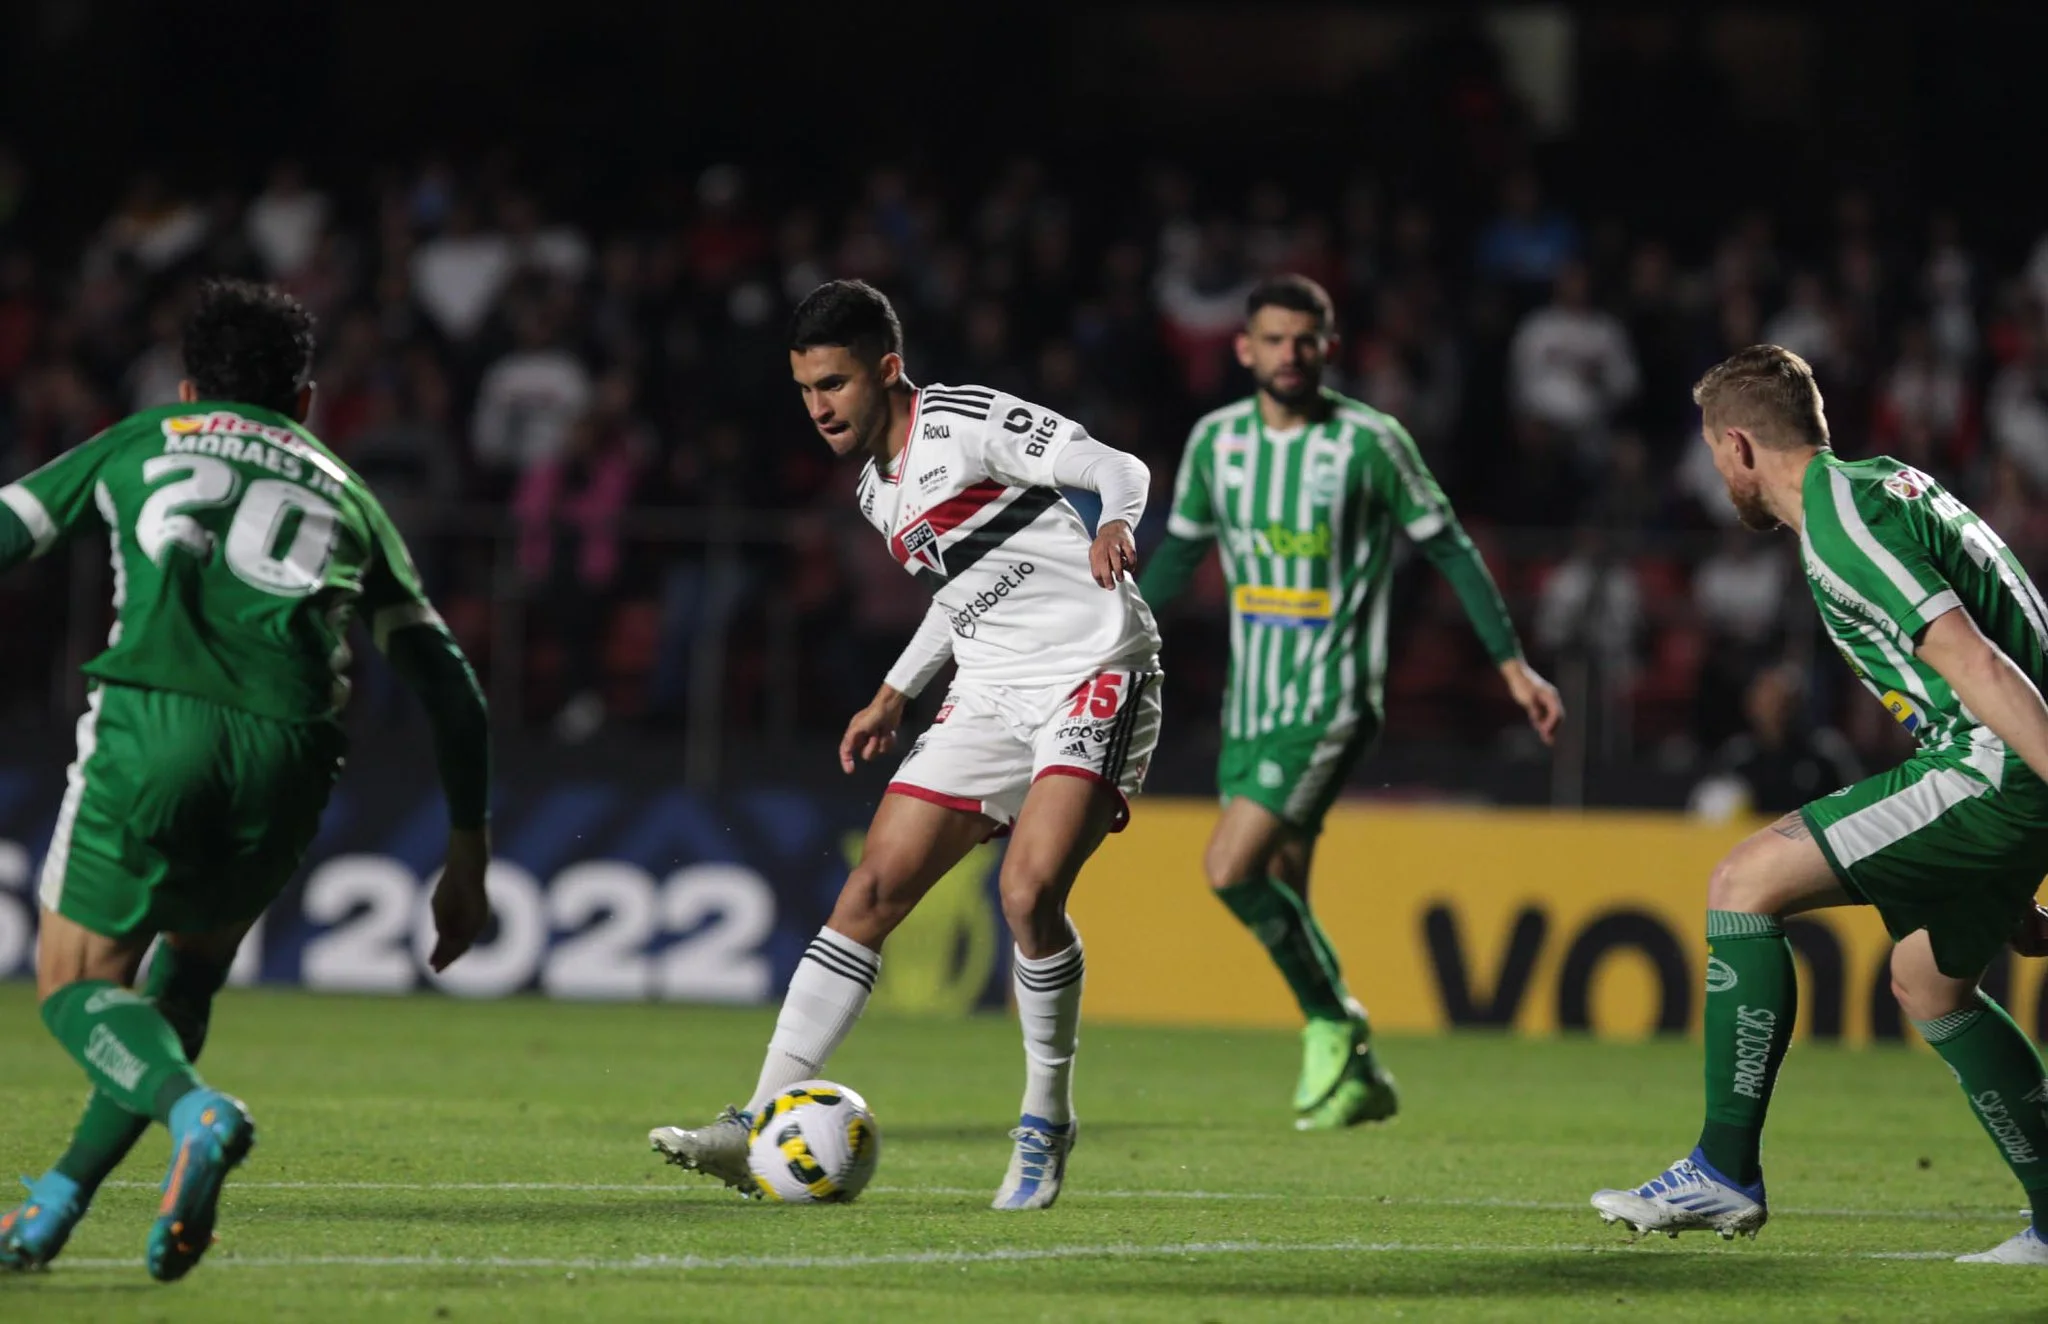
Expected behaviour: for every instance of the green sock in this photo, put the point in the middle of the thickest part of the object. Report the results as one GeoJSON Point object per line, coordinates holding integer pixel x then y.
{"type": "Point", "coordinates": [1280, 919]}
{"type": "Point", "coordinates": [129, 1051]}
{"type": "Point", "coordinates": [182, 987]}
{"type": "Point", "coordinates": [2001, 1075]}
{"type": "Point", "coordinates": [1752, 1001]}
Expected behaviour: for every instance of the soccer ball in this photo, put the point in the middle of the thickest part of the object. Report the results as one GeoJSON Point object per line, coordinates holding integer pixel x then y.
{"type": "Point", "coordinates": [814, 1143]}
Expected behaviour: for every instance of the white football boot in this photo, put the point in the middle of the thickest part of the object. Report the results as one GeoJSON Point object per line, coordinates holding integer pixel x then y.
{"type": "Point", "coordinates": [1687, 1195]}
{"type": "Point", "coordinates": [2026, 1248]}
{"type": "Point", "coordinates": [718, 1150]}
{"type": "Point", "coordinates": [1038, 1164]}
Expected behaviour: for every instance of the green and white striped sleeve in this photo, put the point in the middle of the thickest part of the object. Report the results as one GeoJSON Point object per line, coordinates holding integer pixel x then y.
{"type": "Point", "coordinates": [1865, 539]}
{"type": "Point", "coordinates": [1405, 483]}
{"type": "Point", "coordinates": [1193, 513]}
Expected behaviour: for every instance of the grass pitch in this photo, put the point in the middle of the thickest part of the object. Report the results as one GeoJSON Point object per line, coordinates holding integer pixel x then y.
{"type": "Point", "coordinates": [426, 1159]}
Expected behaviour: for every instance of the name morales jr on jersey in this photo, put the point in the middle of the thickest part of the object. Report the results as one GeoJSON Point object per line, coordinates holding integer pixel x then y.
{"type": "Point", "coordinates": [241, 549]}
{"type": "Point", "coordinates": [972, 510]}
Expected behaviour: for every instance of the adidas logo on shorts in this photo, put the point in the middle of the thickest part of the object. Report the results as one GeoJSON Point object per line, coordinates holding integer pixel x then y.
{"type": "Point", "coordinates": [1079, 749]}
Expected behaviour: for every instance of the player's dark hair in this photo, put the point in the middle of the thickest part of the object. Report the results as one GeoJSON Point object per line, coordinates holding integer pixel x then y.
{"type": "Point", "coordinates": [1295, 293]}
{"type": "Point", "coordinates": [250, 344]}
{"type": "Point", "coordinates": [850, 313]}
{"type": "Point", "coordinates": [1768, 392]}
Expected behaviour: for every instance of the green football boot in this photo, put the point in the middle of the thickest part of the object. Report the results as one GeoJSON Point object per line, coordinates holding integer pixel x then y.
{"type": "Point", "coordinates": [1365, 1094]}
{"type": "Point", "coordinates": [1327, 1049]}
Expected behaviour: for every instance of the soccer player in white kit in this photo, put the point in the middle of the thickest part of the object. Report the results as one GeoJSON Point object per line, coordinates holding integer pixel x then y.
{"type": "Point", "coordinates": [1046, 732]}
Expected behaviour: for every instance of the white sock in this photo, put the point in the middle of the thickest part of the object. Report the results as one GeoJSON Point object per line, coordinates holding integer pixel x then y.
{"type": "Point", "coordinates": [825, 998]}
{"type": "Point", "coordinates": [1049, 1008]}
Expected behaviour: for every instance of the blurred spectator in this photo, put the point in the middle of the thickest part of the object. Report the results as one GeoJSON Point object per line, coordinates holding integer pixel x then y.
{"type": "Point", "coordinates": [1807, 324]}
{"type": "Point", "coordinates": [153, 228]}
{"type": "Point", "coordinates": [529, 400]}
{"type": "Point", "coordinates": [1926, 414]}
{"type": "Point", "coordinates": [1948, 284]}
{"type": "Point", "coordinates": [1572, 364]}
{"type": "Point", "coordinates": [704, 585]}
{"type": "Point", "coordinates": [1202, 306]}
{"type": "Point", "coordinates": [2017, 412]}
{"type": "Point", "coordinates": [458, 274]}
{"type": "Point", "coordinates": [408, 453]}
{"type": "Point", "coordinates": [153, 378]}
{"type": "Point", "coordinates": [559, 251]}
{"type": "Point", "coordinates": [1527, 245]}
{"type": "Point", "coordinates": [21, 313]}
{"type": "Point", "coordinates": [1740, 595]}
{"type": "Point", "coordinates": [570, 551]}
{"type": "Point", "coordinates": [285, 222]}
{"type": "Point", "coordinates": [1590, 605]}
{"type": "Point", "coordinates": [1782, 761]}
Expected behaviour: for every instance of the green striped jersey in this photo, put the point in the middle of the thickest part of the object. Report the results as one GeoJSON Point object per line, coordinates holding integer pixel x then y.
{"type": "Point", "coordinates": [1304, 523]}
{"type": "Point", "coordinates": [241, 550]}
{"type": "Point", "coordinates": [1887, 550]}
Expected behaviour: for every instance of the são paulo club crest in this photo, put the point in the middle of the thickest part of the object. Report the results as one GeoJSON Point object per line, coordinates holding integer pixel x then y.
{"type": "Point", "coordinates": [1908, 484]}
{"type": "Point", "coordinates": [921, 547]}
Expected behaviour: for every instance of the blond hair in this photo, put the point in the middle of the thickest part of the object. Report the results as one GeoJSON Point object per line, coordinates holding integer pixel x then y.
{"type": "Point", "coordinates": [1768, 392]}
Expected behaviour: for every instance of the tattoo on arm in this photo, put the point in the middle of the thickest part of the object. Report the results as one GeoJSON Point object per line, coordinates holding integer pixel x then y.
{"type": "Point", "coordinates": [1793, 828]}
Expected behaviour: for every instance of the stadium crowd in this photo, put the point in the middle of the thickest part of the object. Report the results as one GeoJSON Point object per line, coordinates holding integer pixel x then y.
{"type": "Point", "coordinates": [516, 382]}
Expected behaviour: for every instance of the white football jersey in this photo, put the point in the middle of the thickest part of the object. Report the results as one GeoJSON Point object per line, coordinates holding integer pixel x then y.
{"type": "Point", "coordinates": [971, 509]}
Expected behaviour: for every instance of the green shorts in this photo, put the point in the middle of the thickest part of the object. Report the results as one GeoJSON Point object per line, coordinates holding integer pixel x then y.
{"type": "Point", "coordinates": [1954, 842]}
{"type": "Point", "coordinates": [1297, 772]}
{"type": "Point", "coordinates": [181, 816]}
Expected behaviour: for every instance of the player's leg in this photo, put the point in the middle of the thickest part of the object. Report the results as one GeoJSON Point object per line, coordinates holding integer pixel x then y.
{"type": "Point", "coordinates": [100, 891]}
{"type": "Point", "coordinates": [265, 786]}
{"type": "Point", "coordinates": [1278, 789]}
{"type": "Point", "coordinates": [913, 842]}
{"type": "Point", "coordinates": [1752, 999]}
{"type": "Point", "coordinates": [1090, 755]}
{"type": "Point", "coordinates": [182, 978]}
{"type": "Point", "coordinates": [1063, 821]}
{"type": "Point", "coordinates": [1998, 1068]}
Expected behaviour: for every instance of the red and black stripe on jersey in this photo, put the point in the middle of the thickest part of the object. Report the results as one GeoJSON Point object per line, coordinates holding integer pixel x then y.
{"type": "Point", "coordinates": [922, 541]}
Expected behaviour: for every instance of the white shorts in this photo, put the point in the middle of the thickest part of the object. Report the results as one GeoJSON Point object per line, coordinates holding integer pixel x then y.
{"type": "Point", "coordinates": [988, 745]}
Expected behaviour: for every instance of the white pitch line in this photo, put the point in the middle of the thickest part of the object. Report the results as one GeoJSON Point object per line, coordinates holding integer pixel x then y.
{"type": "Point", "coordinates": [1019, 1255]}
{"type": "Point", "coordinates": [1981, 1214]}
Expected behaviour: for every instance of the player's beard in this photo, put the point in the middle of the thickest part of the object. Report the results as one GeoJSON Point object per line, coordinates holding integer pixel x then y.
{"type": "Point", "coordinates": [1297, 397]}
{"type": "Point", "coordinates": [1751, 510]}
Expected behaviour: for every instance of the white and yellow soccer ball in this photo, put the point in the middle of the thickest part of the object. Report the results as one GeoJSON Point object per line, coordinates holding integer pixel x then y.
{"type": "Point", "coordinates": [814, 1143]}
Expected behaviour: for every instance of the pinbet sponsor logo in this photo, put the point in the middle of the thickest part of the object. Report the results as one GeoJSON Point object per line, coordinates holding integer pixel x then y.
{"type": "Point", "coordinates": [967, 619]}
{"type": "Point", "coordinates": [1755, 1028]}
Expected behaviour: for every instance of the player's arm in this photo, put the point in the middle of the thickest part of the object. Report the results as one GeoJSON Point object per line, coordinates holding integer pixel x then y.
{"type": "Point", "coordinates": [1190, 528]}
{"type": "Point", "coordinates": [1989, 684]}
{"type": "Point", "coordinates": [42, 509]}
{"type": "Point", "coordinates": [1406, 484]}
{"type": "Point", "coordinates": [1122, 481]}
{"type": "Point", "coordinates": [412, 636]}
{"type": "Point", "coordinates": [2000, 696]}
{"type": "Point", "coordinates": [1027, 445]}
{"type": "Point", "coordinates": [872, 732]}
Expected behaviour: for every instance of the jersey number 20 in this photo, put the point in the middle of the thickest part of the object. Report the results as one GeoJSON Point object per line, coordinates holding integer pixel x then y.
{"type": "Point", "coordinates": [258, 549]}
